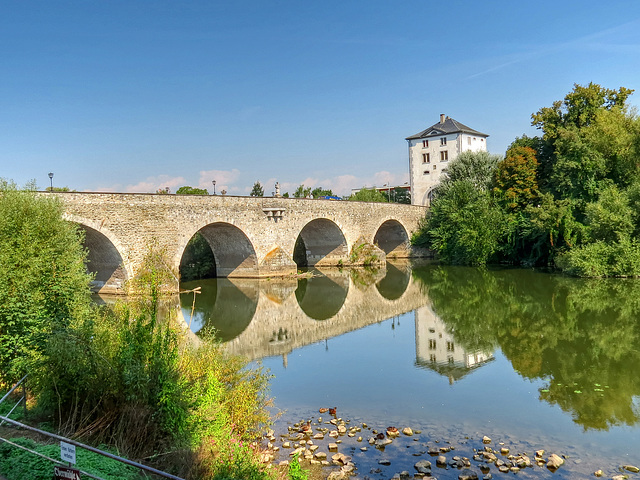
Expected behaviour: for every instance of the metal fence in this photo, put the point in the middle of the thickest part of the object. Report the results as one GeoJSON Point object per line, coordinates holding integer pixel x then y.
{"type": "Point", "coordinates": [23, 400]}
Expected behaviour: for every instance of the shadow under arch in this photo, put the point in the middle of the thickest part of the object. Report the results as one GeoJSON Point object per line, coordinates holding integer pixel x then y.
{"type": "Point", "coordinates": [395, 282]}
{"type": "Point", "coordinates": [225, 307]}
{"type": "Point", "coordinates": [232, 250]}
{"type": "Point", "coordinates": [321, 297]}
{"type": "Point", "coordinates": [391, 238]}
{"type": "Point", "coordinates": [320, 242]}
{"type": "Point", "coordinates": [103, 261]}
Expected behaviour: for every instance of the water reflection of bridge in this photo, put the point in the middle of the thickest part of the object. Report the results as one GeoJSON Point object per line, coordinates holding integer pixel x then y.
{"type": "Point", "coordinates": [261, 318]}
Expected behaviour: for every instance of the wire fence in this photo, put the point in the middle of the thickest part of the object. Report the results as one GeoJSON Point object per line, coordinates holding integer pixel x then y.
{"type": "Point", "coordinates": [23, 400]}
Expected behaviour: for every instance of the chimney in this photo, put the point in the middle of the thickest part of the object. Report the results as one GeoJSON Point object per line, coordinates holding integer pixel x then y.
{"type": "Point", "coordinates": [442, 118]}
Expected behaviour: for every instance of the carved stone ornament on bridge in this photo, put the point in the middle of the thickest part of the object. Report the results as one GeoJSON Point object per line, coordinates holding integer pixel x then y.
{"type": "Point", "coordinates": [274, 212]}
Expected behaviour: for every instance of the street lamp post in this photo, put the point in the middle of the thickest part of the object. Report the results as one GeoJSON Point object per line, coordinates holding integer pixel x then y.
{"type": "Point", "coordinates": [51, 179]}
{"type": "Point", "coordinates": [214, 186]}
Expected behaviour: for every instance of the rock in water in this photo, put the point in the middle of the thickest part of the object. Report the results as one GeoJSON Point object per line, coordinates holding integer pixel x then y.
{"type": "Point", "coordinates": [407, 431]}
{"type": "Point", "coordinates": [631, 468]}
{"type": "Point", "coordinates": [554, 462]}
{"type": "Point", "coordinates": [467, 474]}
{"type": "Point", "coordinates": [423, 466]}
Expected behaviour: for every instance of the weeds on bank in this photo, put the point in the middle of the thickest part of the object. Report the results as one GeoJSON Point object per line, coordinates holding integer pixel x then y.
{"type": "Point", "coordinates": [130, 379]}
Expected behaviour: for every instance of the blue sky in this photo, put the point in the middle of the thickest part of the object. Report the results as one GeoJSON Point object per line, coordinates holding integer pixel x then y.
{"type": "Point", "coordinates": [135, 95]}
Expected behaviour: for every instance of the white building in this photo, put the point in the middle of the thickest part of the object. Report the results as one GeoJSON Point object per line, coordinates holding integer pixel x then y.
{"type": "Point", "coordinates": [432, 149]}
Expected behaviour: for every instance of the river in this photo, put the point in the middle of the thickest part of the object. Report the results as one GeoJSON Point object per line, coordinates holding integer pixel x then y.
{"type": "Point", "coordinates": [531, 359]}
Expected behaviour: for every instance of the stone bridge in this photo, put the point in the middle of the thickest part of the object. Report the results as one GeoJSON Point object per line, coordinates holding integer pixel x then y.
{"type": "Point", "coordinates": [249, 236]}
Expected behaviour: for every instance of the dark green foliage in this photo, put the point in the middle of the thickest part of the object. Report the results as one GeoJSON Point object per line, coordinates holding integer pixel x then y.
{"type": "Point", "coordinates": [368, 195]}
{"type": "Point", "coordinates": [401, 195]}
{"type": "Point", "coordinates": [321, 192]}
{"type": "Point", "coordinates": [302, 192]}
{"type": "Point", "coordinates": [197, 260]}
{"type": "Point", "coordinates": [44, 281]}
{"type": "Point", "coordinates": [187, 190]}
{"type": "Point", "coordinates": [465, 225]}
{"type": "Point", "coordinates": [257, 190]}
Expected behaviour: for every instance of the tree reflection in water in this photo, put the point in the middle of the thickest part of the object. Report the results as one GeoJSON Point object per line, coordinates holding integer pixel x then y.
{"type": "Point", "coordinates": [580, 336]}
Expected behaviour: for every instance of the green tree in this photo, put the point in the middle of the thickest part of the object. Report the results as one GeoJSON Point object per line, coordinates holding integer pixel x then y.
{"type": "Point", "coordinates": [465, 225]}
{"type": "Point", "coordinates": [187, 190]}
{"type": "Point", "coordinates": [302, 192]}
{"type": "Point", "coordinates": [477, 168]}
{"type": "Point", "coordinates": [516, 177]}
{"type": "Point", "coordinates": [321, 192]}
{"type": "Point", "coordinates": [44, 280]}
{"type": "Point", "coordinates": [257, 190]}
{"type": "Point", "coordinates": [369, 195]}
{"type": "Point", "coordinates": [401, 195]}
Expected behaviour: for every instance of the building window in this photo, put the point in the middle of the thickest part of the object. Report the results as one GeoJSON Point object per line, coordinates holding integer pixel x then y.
{"type": "Point", "coordinates": [432, 358]}
{"type": "Point", "coordinates": [426, 172]}
{"type": "Point", "coordinates": [444, 156]}
{"type": "Point", "coordinates": [443, 141]}
{"type": "Point", "coordinates": [435, 167]}
{"type": "Point", "coordinates": [425, 143]}
{"type": "Point", "coordinates": [469, 140]}
{"type": "Point", "coordinates": [432, 344]}
{"type": "Point", "coordinates": [425, 158]}
{"type": "Point", "coordinates": [450, 347]}
{"type": "Point", "coordinates": [450, 359]}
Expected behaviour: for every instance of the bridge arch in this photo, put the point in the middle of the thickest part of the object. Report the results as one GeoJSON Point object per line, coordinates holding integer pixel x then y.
{"type": "Point", "coordinates": [233, 252]}
{"type": "Point", "coordinates": [104, 256]}
{"type": "Point", "coordinates": [320, 242]}
{"type": "Point", "coordinates": [392, 238]}
{"type": "Point", "coordinates": [322, 297]}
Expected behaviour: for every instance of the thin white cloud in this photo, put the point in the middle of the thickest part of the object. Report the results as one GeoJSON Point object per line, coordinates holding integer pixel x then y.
{"type": "Point", "coordinates": [152, 184]}
{"type": "Point", "coordinates": [225, 180]}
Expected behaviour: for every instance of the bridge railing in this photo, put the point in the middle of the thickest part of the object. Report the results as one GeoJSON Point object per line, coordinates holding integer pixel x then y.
{"type": "Point", "coordinates": [23, 400]}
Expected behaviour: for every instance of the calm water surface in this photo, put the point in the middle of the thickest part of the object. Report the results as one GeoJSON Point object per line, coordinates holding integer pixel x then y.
{"type": "Point", "coordinates": [531, 359]}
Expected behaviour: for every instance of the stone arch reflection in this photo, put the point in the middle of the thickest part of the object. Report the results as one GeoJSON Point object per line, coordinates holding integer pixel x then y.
{"type": "Point", "coordinates": [395, 282]}
{"type": "Point", "coordinates": [392, 238]}
{"type": "Point", "coordinates": [233, 252]}
{"type": "Point", "coordinates": [321, 297]}
{"type": "Point", "coordinates": [320, 242]}
{"type": "Point", "coordinates": [104, 261]}
{"type": "Point", "coordinates": [225, 307]}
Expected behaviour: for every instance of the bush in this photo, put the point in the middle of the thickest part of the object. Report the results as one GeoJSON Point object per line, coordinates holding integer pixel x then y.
{"type": "Point", "coordinates": [600, 259]}
{"type": "Point", "coordinates": [44, 281]}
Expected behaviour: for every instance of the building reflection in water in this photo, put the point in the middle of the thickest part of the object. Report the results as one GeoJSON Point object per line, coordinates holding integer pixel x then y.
{"type": "Point", "coordinates": [437, 350]}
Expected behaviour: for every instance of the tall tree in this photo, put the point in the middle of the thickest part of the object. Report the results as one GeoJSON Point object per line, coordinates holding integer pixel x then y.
{"type": "Point", "coordinates": [257, 190]}
{"type": "Point", "coordinates": [302, 192]}
{"type": "Point", "coordinates": [516, 177]}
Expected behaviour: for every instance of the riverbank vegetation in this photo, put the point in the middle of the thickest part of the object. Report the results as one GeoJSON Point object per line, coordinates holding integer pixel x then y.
{"type": "Point", "coordinates": [122, 377]}
{"type": "Point", "coordinates": [568, 198]}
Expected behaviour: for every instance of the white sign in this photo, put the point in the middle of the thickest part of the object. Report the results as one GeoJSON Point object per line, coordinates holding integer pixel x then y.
{"type": "Point", "coordinates": [67, 452]}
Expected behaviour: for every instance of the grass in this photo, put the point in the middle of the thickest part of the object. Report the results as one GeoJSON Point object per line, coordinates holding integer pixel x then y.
{"type": "Point", "coordinates": [18, 464]}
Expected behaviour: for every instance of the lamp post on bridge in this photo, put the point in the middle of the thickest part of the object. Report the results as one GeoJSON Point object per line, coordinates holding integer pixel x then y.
{"type": "Point", "coordinates": [51, 179]}
{"type": "Point", "coordinates": [214, 186]}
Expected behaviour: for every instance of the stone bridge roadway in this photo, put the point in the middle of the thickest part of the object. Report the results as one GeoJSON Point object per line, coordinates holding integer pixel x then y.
{"type": "Point", "coordinates": [249, 236]}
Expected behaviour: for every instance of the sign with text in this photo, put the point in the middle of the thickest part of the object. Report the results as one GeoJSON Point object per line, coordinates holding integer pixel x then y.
{"type": "Point", "coordinates": [66, 473]}
{"type": "Point", "coordinates": [67, 452]}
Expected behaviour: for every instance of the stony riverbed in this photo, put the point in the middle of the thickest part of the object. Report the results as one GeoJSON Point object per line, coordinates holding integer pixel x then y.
{"type": "Point", "coordinates": [345, 448]}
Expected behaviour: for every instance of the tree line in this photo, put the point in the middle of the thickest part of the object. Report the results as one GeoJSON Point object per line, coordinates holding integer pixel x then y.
{"type": "Point", "coordinates": [567, 198]}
